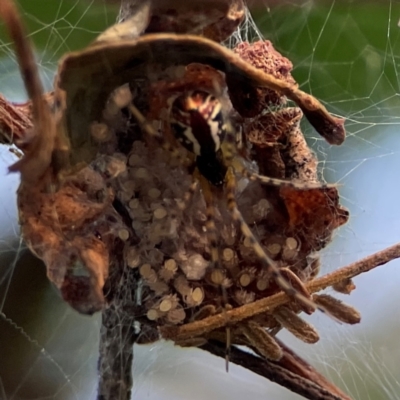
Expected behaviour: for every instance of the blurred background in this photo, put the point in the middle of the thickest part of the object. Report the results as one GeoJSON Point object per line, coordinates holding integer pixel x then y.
{"type": "Point", "coordinates": [345, 53]}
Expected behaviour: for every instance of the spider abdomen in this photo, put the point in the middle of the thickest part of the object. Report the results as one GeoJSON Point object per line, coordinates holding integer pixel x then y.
{"type": "Point", "coordinates": [198, 124]}
{"type": "Point", "coordinates": [196, 118]}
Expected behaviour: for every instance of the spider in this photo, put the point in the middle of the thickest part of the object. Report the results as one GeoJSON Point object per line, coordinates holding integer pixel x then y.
{"type": "Point", "coordinates": [199, 124]}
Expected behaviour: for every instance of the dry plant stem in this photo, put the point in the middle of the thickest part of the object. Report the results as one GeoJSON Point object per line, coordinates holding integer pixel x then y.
{"type": "Point", "coordinates": [117, 337]}
{"type": "Point", "coordinates": [14, 121]}
{"type": "Point", "coordinates": [41, 143]}
{"type": "Point", "coordinates": [266, 305]}
{"type": "Point", "coordinates": [274, 372]}
{"type": "Point", "coordinates": [292, 362]}
{"type": "Point", "coordinates": [26, 59]}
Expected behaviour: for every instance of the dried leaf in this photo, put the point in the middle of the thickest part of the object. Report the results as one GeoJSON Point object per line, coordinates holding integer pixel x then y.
{"type": "Point", "coordinates": [63, 229]}
{"type": "Point", "coordinates": [315, 212]}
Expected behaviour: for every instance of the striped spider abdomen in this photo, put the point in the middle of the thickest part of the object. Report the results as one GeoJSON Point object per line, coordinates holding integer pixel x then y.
{"type": "Point", "coordinates": [198, 124]}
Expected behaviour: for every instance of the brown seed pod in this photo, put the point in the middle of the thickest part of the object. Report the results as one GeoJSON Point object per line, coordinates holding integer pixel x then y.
{"type": "Point", "coordinates": [345, 287]}
{"type": "Point", "coordinates": [340, 310]}
{"type": "Point", "coordinates": [296, 325]}
{"type": "Point", "coordinates": [261, 340]}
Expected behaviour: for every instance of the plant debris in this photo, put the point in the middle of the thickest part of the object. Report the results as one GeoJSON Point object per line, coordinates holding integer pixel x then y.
{"type": "Point", "coordinates": [119, 218]}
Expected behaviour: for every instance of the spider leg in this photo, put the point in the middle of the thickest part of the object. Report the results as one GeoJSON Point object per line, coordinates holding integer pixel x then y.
{"type": "Point", "coordinates": [210, 224]}
{"type": "Point", "coordinates": [147, 127]}
{"type": "Point", "coordinates": [227, 347]}
{"type": "Point", "coordinates": [188, 195]}
{"type": "Point", "coordinates": [229, 152]}
{"type": "Point", "coordinates": [217, 274]}
{"type": "Point", "coordinates": [284, 183]}
{"type": "Point", "coordinates": [190, 192]}
{"type": "Point", "coordinates": [268, 263]}
{"type": "Point", "coordinates": [142, 121]}
{"type": "Point", "coordinates": [231, 159]}
{"type": "Point", "coordinates": [183, 203]}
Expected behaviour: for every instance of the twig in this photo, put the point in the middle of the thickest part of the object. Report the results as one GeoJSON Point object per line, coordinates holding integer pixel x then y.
{"type": "Point", "coordinates": [117, 337]}
{"type": "Point", "coordinates": [14, 121]}
{"type": "Point", "coordinates": [266, 305]}
{"type": "Point", "coordinates": [294, 363]}
{"type": "Point", "coordinates": [40, 155]}
{"type": "Point", "coordinates": [117, 333]}
{"type": "Point", "coordinates": [274, 372]}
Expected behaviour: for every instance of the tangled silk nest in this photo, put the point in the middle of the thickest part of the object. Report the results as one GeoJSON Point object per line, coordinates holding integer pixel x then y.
{"type": "Point", "coordinates": [116, 217]}
{"type": "Point", "coordinates": [129, 206]}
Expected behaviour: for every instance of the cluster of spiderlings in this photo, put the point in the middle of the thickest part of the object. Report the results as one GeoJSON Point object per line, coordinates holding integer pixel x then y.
{"type": "Point", "coordinates": [172, 256]}
{"type": "Point", "coordinates": [166, 214]}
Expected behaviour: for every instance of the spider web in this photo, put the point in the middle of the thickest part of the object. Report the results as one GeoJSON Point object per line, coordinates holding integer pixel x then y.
{"type": "Point", "coordinates": [347, 55]}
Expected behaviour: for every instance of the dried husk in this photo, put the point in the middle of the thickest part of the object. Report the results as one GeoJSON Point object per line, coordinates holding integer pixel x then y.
{"type": "Point", "coordinates": [73, 230]}
{"type": "Point", "coordinates": [214, 19]}
{"type": "Point", "coordinates": [102, 69]}
{"type": "Point", "coordinates": [89, 76]}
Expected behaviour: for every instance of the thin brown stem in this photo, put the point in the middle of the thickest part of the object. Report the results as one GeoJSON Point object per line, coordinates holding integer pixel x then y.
{"type": "Point", "coordinates": [276, 373]}
{"type": "Point", "coordinates": [15, 120]}
{"type": "Point", "coordinates": [25, 56]}
{"type": "Point", "coordinates": [236, 315]}
{"type": "Point", "coordinates": [41, 143]}
{"type": "Point", "coordinates": [117, 336]}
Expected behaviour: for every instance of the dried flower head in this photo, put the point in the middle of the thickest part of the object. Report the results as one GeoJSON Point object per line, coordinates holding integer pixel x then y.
{"type": "Point", "coordinates": [127, 220]}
